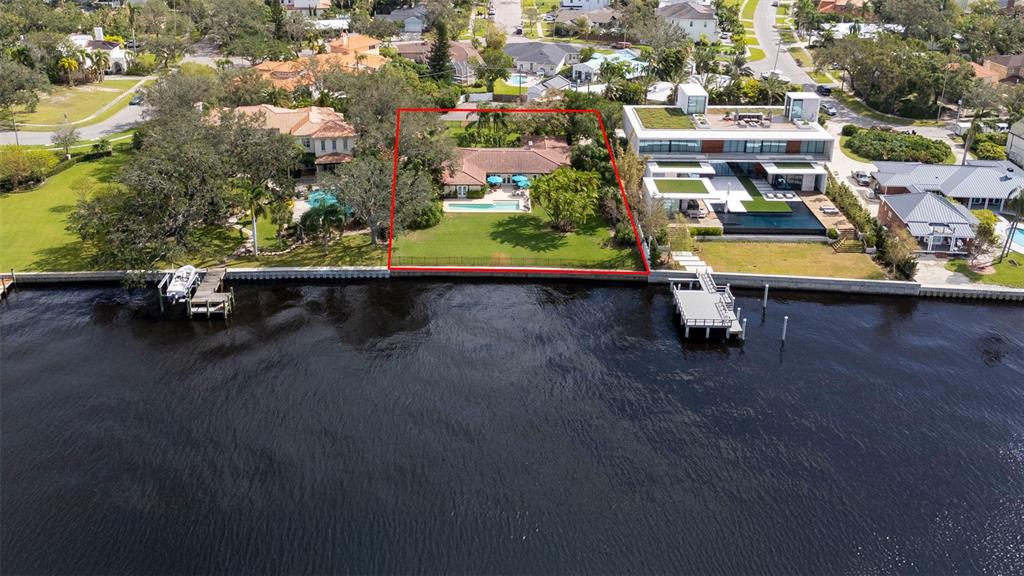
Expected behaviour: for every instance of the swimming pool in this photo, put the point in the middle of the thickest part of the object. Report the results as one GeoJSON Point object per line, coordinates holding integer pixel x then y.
{"type": "Point", "coordinates": [318, 197]}
{"type": "Point", "coordinates": [801, 221]}
{"type": "Point", "coordinates": [1018, 240]}
{"type": "Point", "coordinates": [496, 206]}
{"type": "Point", "coordinates": [516, 80]}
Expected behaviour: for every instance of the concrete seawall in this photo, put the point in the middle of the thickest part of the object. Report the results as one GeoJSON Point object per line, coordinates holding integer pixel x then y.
{"type": "Point", "coordinates": [736, 280]}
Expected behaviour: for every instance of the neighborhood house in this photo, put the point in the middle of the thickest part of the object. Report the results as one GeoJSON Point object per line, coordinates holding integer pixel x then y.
{"type": "Point", "coordinates": [981, 184]}
{"type": "Point", "coordinates": [590, 70]}
{"type": "Point", "coordinates": [938, 224]}
{"type": "Point", "coordinates": [321, 132]}
{"type": "Point", "coordinates": [116, 55]}
{"type": "Point", "coordinates": [475, 166]}
{"type": "Point", "coordinates": [543, 58]}
{"type": "Point", "coordinates": [692, 18]}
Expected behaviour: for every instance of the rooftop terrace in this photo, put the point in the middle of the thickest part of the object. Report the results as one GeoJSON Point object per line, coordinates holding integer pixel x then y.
{"type": "Point", "coordinates": [727, 118]}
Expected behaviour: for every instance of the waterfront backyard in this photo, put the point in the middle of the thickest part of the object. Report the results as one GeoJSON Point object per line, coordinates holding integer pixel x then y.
{"type": "Point", "coordinates": [788, 258]}
{"type": "Point", "coordinates": [513, 239]}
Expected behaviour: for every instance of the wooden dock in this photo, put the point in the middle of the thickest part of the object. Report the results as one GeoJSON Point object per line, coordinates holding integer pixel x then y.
{"type": "Point", "coordinates": [6, 284]}
{"type": "Point", "coordinates": [703, 304]}
{"type": "Point", "coordinates": [209, 299]}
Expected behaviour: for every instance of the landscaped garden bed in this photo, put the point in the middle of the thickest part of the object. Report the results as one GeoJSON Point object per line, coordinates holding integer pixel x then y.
{"type": "Point", "coordinates": [684, 186]}
{"type": "Point", "coordinates": [879, 144]}
{"type": "Point", "coordinates": [758, 203]}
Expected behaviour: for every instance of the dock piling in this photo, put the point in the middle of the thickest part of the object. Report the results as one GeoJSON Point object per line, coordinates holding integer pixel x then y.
{"type": "Point", "coordinates": [743, 334]}
{"type": "Point", "coordinates": [764, 306]}
{"type": "Point", "coordinates": [785, 324]}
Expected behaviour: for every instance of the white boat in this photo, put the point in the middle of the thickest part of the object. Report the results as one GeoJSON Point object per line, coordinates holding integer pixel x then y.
{"type": "Point", "coordinates": [181, 283]}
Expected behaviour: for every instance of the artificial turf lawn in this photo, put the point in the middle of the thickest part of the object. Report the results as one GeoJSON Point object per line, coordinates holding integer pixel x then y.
{"type": "Point", "coordinates": [793, 258]}
{"type": "Point", "coordinates": [78, 102]}
{"type": "Point", "coordinates": [512, 239]}
{"type": "Point", "coordinates": [758, 203]}
{"type": "Point", "coordinates": [664, 118]}
{"type": "Point", "coordinates": [686, 186]}
{"type": "Point", "coordinates": [678, 164]}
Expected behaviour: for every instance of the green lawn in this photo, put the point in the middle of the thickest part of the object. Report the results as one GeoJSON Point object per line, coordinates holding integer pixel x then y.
{"type": "Point", "coordinates": [782, 9]}
{"type": "Point", "coordinates": [747, 13]}
{"type": "Point", "coordinates": [755, 53]}
{"type": "Point", "coordinates": [78, 102]}
{"type": "Point", "coordinates": [1009, 272]}
{"type": "Point", "coordinates": [795, 165]}
{"type": "Point", "coordinates": [758, 203]}
{"type": "Point", "coordinates": [352, 250]}
{"type": "Point", "coordinates": [693, 165]}
{"type": "Point", "coordinates": [506, 89]}
{"type": "Point", "coordinates": [664, 118]}
{"type": "Point", "coordinates": [512, 240]}
{"type": "Point", "coordinates": [688, 186]}
{"type": "Point", "coordinates": [850, 153]}
{"type": "Point", "coordinates": [32, 224]}
{"type": "Point", "coordinates": [859, 107]}
{"type": "Point", "coordinates": [795, 258]}
{"type": "Point", "coordinates": [821, 77]}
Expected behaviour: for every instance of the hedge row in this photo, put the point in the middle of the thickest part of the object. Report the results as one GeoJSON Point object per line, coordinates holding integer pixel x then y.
{"type": "Point", "coordinates": [881, 144]}
{"type": "Point", "coordinates": [872, 231]}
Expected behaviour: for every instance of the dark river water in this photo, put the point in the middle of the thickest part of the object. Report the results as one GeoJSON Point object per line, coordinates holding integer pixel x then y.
{"type": "Point", "coordinates": [415, 427]}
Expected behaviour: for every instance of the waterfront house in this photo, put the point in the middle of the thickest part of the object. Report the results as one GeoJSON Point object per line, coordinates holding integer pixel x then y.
{"type": "Point", "coordinates": [939, 225]}
{"type": "Point", "coordinates": [981, 184]}
{"type": "Point", "coordinates": [322, 133]}
{"type": "Point", "coordinates": [692, 18]}
{"type": "Point", "coordinates": [783, 145]}
{"type": "Point", "coordinates": [473, 166]}
{"type": "Point", "coordinates": [542, 58]}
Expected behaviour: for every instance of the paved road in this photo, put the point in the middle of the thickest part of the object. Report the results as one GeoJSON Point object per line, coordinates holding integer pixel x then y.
{"type": "Point", "coordinates": [768, 38]}
{"type": "Point", "coordinates": [508, 14]}
{"type": "Point", "coordinates": [119, 122]}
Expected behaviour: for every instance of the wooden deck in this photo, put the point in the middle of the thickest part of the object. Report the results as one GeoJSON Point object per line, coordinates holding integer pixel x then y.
{"type": "Point", "coordinates": [703, 304]}
{"type": "Point", "coordinates": [5, 285]}
{"type": "Point", "coordinates": [209, 299]}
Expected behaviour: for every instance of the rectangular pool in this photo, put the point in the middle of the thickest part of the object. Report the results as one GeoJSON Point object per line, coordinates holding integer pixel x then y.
{"type": "Point", "coordinates": [495, 206]}
{"type": "Point", "coordinates": [801, 221]}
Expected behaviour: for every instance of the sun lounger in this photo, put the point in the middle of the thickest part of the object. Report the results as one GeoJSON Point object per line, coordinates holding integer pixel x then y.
{"type": "Point", "coordinates": [790, 195]}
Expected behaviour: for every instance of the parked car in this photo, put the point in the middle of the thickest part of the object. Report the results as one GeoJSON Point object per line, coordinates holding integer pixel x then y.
{"type": "Point", "coordinates": [775, 2]}
{"type": "Point", "coordinates": [548, 17]}
{"type": "Point", "coordinates": [862, 178]}
{"type": "Point", "coordinates": [724, 36]}
{"type": "Point", "coordinates": [776, 73]}
{"type": "Point", "coordinates": [622, 45]}
{"type": "Point", "coordinates": [823, 90]}
{"type": "Point", "coordinates": [829, 108]}
{"type": "Point", "coordinates": [136, 100]}
{"type": "Point", "coordinates": [519, 32]}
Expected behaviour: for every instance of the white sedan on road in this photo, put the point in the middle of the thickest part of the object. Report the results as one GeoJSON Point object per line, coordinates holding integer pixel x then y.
{"type": "Point", "coordinates": [776, 73]}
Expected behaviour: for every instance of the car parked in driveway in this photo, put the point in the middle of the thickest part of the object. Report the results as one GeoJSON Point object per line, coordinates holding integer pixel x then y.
{"type": "Point", "coordinates": [829, 108]}
{"type": "Point", "coordinates": [862, 178]}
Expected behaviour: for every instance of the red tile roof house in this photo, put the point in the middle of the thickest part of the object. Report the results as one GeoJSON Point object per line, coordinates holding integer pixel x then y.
{"type": "Point", "coordinates": [474, 165]}
{"type": "Point", "coordinates": [321, 132]}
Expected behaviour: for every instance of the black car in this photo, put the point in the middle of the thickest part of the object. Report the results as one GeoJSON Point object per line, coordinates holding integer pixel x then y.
{"type": "Point", "coordinates": [823, 90]}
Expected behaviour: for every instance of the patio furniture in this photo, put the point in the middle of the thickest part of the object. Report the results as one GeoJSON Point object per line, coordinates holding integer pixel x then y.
{"type": "Point", "coordinates": [789, 195]}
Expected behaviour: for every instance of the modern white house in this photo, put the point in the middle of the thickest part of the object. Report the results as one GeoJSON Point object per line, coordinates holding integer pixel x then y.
{"type": "Point", "coordinates": [692, 18]}
{"type": "Point", "coordinates": [584, 4]}
{"type": "Point", "coordinates": [1015, 144]}
{"type": "Point", "coordinates": [590, 71]}
{"type": "Point", "coordinates": [117, 55]}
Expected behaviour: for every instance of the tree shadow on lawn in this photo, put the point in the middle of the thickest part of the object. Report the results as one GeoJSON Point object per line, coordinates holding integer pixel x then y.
{"type": "Point", "coordinates": [527, 231]}
{"type": "Point", "coordinates": [67, 257]}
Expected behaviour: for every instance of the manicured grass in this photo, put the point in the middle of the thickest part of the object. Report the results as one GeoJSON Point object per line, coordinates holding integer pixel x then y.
{"type": "Point", "coordinates": [1009, 272]}
{"type": "Point", "coordinates": [506, 89]}
{"type": "Point", "coordinates": [664, 118]}
{"type": "Point", "coordinates": [512, 240]}
{"type": "Point", "coordinates": [862, 109]}
{"type": "Point", "coordinates": [795, 165]}
{"type": "Point", "coordinates": [678, 164]}
{"type": "Point", "coordinates": [78, 102]}
{"type": "Point", "coordinates": [675, 186]}
{"type": "Point", "coordinates": [782, 9]}
{"type": "Point", "coordinates": [796, 258]}
{"type": "Point", "coordinates": [747, 13]}
{"type": "Point", "coordinates": [821, 77]}
{"type": "Point", "coordinates": [755, 53]}
{"type": "Point", "coordinates": [758, 202]}
{"type": "Point", "coordinates": [351, 250]}
{"type": "Point", "coordinates": [33, 234]}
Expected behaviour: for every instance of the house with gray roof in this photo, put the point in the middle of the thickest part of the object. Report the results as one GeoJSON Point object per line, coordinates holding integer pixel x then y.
{"type": "Point", "coordinates": [1015, 144]}
{"type": "Point", "coordinates": [939, 225]}
{"type": "Point", "coordinates": [981, 184]}
{"type": "Point", "coordinates": [694, 19]}
{"type": "Point", "coordinates": [550, 88]}
{"type": "Point", "coordinates": [413, 20]}
{"type": "Point", "coordinates": [542, 58]}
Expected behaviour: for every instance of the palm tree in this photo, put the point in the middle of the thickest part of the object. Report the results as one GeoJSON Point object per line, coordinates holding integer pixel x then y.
{"type": "Point", "coordinates": [256, 197]}
{"type": "Point", "coordinates": [100, 62]}
{"type": "Point", "coordinates": [773, 86]}
{"type": "Point", "coordinates": [69, 66]}
{"type": "Point", "coordinates": [1015, 204]}
{"type": "Point", "coordinates": [737, 66]}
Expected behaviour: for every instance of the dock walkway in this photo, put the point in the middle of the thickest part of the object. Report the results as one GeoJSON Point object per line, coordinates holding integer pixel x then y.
{"type": "Point", "coordinates": [703, 304]}
{"type": "Point", "coordinates": [208, 298]}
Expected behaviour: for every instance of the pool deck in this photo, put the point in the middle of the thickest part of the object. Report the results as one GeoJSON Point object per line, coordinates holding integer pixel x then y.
{"type": "Point", "coordinates": [500, 194]}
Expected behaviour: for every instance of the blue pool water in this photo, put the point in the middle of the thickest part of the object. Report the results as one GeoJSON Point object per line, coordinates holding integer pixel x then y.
{"type": "Point", "coordinates": [516, 80]}
{"type": "Point", "coordinates": [1018, 239]}
{"type": "Point", "coordinates": [496, 206]}
{"type": "Point", "coordinates": [800, 221]}
{"type": "Point", "coordinates": [319, 197]}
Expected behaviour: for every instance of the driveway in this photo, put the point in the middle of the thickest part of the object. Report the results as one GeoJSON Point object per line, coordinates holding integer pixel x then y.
{"type": "Point", "coordinates": [768, 38]}
{"type": "Point", "coordinates": [508, 15]}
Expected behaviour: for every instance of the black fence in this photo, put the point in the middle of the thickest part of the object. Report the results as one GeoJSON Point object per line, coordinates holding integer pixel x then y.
{"type": "Point", "coordinates": [629, 263]}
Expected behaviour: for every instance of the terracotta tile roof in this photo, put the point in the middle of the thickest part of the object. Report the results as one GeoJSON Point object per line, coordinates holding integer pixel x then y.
{"type": "Point", "coordinates": [474, 164]}
{"type": "Point", "coordinates": [333, 158]}
{"type": "Point", "coordinates": [313, 121]}
{"type": "Point", "coordinates": [354, 43]}
{"type": "Point", "coordinates": [292, 74]}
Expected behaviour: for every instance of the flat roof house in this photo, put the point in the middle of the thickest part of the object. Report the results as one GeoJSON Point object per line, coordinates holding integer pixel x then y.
{"type": "Point", "coordinates": [981, 184]}
{"type": "Point", "coordinates": [543, 58]}
{"type": "Point", "coordinates": [321, 132]}
{"type": "Point", "coordinates": [939, 225]}
{"type": "Point", "coordinates": [474, 165]}
{"type": "Point", "coordinates": [692, 18]}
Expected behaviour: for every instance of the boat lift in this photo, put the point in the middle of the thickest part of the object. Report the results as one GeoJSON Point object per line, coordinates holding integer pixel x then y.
{"type": "Point", "coordinates": [203, 295]}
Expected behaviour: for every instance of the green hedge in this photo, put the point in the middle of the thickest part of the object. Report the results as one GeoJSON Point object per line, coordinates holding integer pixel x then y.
{"type": "Point", "coordinates": [476, 193]}
{"type": "Point", "coordinates": [872, 231]}
{"type": "Point", "coordinates": [878, 144]}
{"type": "Point", "coordinates": [429, 217]}
{"type": "Point", "coordinates": [705, 231]}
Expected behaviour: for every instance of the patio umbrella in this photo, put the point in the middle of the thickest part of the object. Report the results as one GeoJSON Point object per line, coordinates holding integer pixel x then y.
{"type": "Point", "coordinates": [524, 183]}
{"type": "Point", "coordinates": [518, 178]}
{"type": "Point", "coordinates": [495, 180]}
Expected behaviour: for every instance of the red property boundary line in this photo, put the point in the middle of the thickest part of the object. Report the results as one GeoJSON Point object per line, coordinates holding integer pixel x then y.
{"type": "Point", "coordinates": [615, 168]}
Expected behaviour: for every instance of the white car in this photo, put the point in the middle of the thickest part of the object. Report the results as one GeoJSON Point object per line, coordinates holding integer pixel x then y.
{"type": "Point", "coordinates": [776, 73]}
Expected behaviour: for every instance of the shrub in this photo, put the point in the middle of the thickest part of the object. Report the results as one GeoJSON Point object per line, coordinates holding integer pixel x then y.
{"type": "Point", "coordinates": [990, 151]}
{"type": "Point", "coordinates": [624, 233]}
{"type": "Point", "coordinates": [476, 193]}
{"type": "Point", "coordinates": [833, 233]}
{"type": "Point", "coordinates": [846, 200]}
{"type": "Point", "coordinates": [705, 231]}
{"type": "Point", "coordinates": [850, 129]}
{"type": "Point", "coordinates": [22, 166]}
{"type": "Point", "coordinates": [142, 65]}
{"type": "Point", "coordinates": [428, 217]}
{"type": "Point", "coordinates": [898, 147]}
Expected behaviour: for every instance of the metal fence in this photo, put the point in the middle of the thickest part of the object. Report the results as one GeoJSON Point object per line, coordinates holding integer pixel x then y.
{"type": "Point", "coordinates": [512, 262]}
